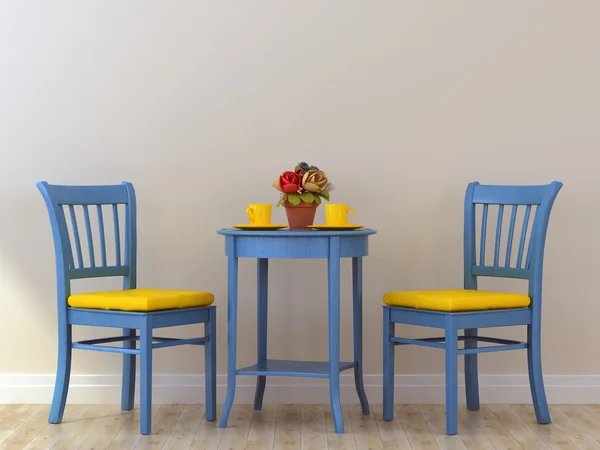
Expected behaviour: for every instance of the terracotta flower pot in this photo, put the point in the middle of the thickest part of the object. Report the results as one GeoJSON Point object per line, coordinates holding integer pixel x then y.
{"type": "Point", "coordinates": [300, 216]}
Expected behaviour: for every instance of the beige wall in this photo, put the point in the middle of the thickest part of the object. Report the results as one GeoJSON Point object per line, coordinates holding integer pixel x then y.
{"type": "Point", "coordinates": [201, 104]}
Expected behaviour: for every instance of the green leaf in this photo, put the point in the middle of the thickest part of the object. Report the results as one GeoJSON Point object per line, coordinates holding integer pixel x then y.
{"type": "Point", "coordinates": [308, 197]}
{"type": "Point", "coordinates": [294, 199]}
{"type": "Point", "coordinates": [323, 193]}
{"type": "Point", "coordinates": [281, 200]}
{"type": "Point", "coordinates": [296, 168]}
{"type": "Point", "coordinates": [317, 200]}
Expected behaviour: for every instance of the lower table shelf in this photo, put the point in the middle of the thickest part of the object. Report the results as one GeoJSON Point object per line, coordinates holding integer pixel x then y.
{"type": "Point", "coordinates": [286, 368]}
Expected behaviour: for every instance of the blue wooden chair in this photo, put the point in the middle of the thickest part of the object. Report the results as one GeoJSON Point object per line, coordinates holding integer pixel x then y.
{"type": "Point", "coordinates": [130, 309]}
{"type": "Point", "coordinates": [470, 309]}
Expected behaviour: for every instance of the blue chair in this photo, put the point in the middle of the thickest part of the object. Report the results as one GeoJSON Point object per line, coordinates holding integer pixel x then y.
{"type": "Point", "coordinates": [130, 309]}
{"type": "Point", "coordinates": [471, 309]}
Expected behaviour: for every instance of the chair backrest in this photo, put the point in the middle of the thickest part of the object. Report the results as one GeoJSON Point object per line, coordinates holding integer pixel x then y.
{"type": "Point", "coordinates": [86, 201]}
{"type": "Point", "coordinates": [519, 239]}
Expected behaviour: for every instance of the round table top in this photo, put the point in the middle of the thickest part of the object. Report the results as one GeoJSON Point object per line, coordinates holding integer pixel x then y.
{"type": "Point", "coordinates": [294, 233]}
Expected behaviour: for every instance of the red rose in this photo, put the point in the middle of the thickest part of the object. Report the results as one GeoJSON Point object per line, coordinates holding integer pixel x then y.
{"type": "Point", "coordinates": [288, 182]}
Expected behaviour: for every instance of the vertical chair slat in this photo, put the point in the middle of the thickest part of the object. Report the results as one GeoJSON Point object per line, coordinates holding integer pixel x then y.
{"type": "Point", "coordinates": [76, 236]}
{"type": "Point", "coordinates": [101, 232]}
{"type": "Point", "coordinates": [498, 235]}
{"type": "Point", "coordinates": [483, 232]}
{"type": "Point", "coordinates": [529, 245]}
{"type": "Point", "coordinates": [523, 236]}
{"type": "Point", "coordinates": [88, 232]}
{"type": "Point", "coordinates": [117, 235]}
{"type": "Point", "coordinates": [69, 254]}
{"type": "Point", "coordinates": [511, 235]}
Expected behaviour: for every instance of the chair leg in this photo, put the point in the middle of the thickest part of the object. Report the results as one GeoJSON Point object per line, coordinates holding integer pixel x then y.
{"type": "Point", "coordinates": [128, 385]}
{"type": "Point", "coordinates": [210, 365]}
{"type": "Point", "coordinates": [451, 377]}
{"type": "Point", "coordinates": [63, 374]}
{"type": "Point", "coordinates": [388, 366]}
{"type": "Point", "coordinates": [536, 380]}
{"type": "Point", "coordinates": [146, 377]}
{"type": "Point", "coordinates": [471, 378]}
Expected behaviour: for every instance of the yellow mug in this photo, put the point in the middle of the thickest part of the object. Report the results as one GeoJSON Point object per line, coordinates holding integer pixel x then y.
{"type": "Point", "coordinates": [337, 214]}
{"type": "Point", "coordinates": [259, 213]}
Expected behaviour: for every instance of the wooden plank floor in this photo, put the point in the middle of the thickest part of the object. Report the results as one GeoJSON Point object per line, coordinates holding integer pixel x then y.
{"type": "Point", "coordinates": [302, 427]}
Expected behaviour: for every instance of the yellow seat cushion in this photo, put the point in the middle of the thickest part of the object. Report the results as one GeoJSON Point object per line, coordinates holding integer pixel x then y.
{"type": "Point", "coordinates": [455, 300]}
{"type": "Point", "coordinates": [141, 300]}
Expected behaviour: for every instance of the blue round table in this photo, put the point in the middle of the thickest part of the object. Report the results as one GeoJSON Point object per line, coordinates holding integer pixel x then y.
{"type": "Point", "coordinates": [264, 245]}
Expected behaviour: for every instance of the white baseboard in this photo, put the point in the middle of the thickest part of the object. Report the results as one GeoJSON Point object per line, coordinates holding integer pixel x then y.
{"type": "Point", "coordinates": [34, 388]}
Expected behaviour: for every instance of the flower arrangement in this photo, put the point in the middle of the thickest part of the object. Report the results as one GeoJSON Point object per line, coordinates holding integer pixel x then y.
{"type": "Point", "coordinates": [305, 184]}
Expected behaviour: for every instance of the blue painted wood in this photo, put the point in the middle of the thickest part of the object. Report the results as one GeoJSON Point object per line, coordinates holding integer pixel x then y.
{"type": "Point", "coordinates": [493, 340]}
{"type": "Point", "coordinates": [468, 337]}
{"type": "Point", "coordinates": [117, 235]}
{"type": "Point", "coordinates": [333, 282]}
{"type": "Point", "coordinates": [498, 235]}
{"type": "Point", "coordinates": [265, 245]}
{"type": "Point", "coordinates": [193, 341]}
{"type": "Point", "coordinates": [76, 236]}
{"type": "Point", "coordinates": [469, 244]}
{"type": "Point", "coordinates": [543, 198]}
{"type": "Point", "coordinates": [298, 247]}
{"type": "Point", "coordinates": [101, 234]}
{"type": "Point", "coordinates": [294, 234]}
{"type": "Point", "coordinates": [176, 317]}
{"type": "Point", "coordinates": [290, 368]}
{"type": "Point", "coordinates": [95, 272]}
{"type": "Point", "coordinates": [108, 339]}
{"type": "Point", "coordinates": [262, 283]}
{"type": "Point", "coordinates": [511, 235]}
{"type": "Point", "coordinates": [388, 364]}
{"type": "Point", "coordinates": [494, 318]}
{"type": "Point", "coordinates": [60, 198]}
{"type": "Point", "coordinates": [504, 272]}
{"type": "Point", "coordinates": [482, 245]}
{"type": "Point", "coordinates": [417, 317]}
{"type": "Point", "coordinates": [129, 363]}
{"type": "Point", "coordinates": [232, 300]}
{"type": "Point", "coordinates": [175, 342]}
{"type": "Point", "coordinates": [471, 377]}
{"type": "Point", "coordinates": [130, 254]}
{"type": "Point", "coordinates": [86, 195]}
{"type": "Point", "coordinates": [523, 235]}
{"type": "Point", "coordinates": [498, 348]}
{"type": "Point", "coordinates": [102, 318]}
{"type": "Point", "coordinates": [424, 342]}
{"type": "Point", "coordinates": [88, 233]}
{"type": "Point", "coordinates": [105, 348]}
{"type": "Point", "coordinates": [210, 365]}
{"type": "Point", "coordinates": [63, 373]}
{"type": "Point", "coordinates": [509, 195]}
{"type": "Point", "coordinates": [146, 376]}
{"type": "Point", "coordinates": [451, 376]}
{"type": "Point", "coordinates": [536, 380]}
{"type": "Point", "coordinates": [357, 296]}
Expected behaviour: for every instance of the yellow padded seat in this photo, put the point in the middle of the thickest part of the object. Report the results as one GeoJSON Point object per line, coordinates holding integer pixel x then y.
{"type": "Point", "coordinates": [141, 300]}
{"type": "Point", "coordinates": [455, 300]}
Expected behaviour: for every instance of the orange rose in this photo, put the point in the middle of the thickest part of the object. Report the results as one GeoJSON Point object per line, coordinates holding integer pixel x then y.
{"type": "Point", "coordinates": [314, 180]}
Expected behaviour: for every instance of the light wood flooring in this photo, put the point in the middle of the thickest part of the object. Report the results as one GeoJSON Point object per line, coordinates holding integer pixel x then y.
{"type": "Point", "coordinates": [299, 427]}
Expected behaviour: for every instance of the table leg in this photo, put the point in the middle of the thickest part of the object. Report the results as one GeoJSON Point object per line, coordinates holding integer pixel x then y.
{"type": "Point", "coordinates": [357, 306]}
{"type": "Point", "coordinates": [333, 275]}
{"type": "Point", "coordinates": [232, 294]}
{"type": "Point", "coordinates": [262, 281]}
